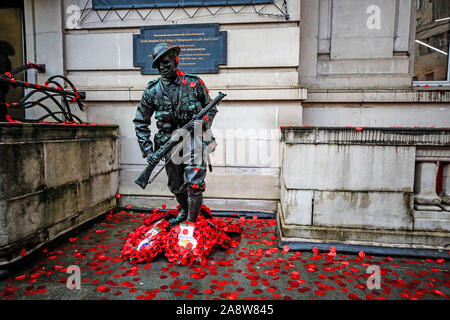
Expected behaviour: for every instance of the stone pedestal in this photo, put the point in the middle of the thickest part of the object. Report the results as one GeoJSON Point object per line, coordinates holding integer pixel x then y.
{"type": "Point", "coordinates": [425, 195]}
{"type": "Point", "coordinates": [53, 178]}
{"type": "Point", "coordinates": [364, 187]}
{"type": "Point", "coordinates": [445, 193]}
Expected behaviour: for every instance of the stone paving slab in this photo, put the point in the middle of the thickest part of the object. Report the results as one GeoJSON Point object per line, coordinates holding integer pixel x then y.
{"type": "Point", "coordinates": [255, 268]}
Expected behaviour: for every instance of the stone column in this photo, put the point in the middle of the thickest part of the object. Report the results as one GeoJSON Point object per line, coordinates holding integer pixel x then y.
{"type": "Point", "coordinates": [445, 193]}
{"type": "Point", "coordinates": [425, 197]}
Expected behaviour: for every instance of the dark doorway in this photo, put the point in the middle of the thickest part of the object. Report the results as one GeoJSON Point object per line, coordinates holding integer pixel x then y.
{"type": "Point", "coordinates": [12, 36]}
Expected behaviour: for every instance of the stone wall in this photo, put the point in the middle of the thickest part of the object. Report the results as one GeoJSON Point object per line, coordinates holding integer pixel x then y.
{"type": "Point", "coordinates": [260, 79]}
{"type": "Point", "coordinates": [356, 44]}
{"type": "Point", "coordinates": [371, 186]}
{"type": "Point", "coordinates": [53, 178]}
{"type": "Point", "coordinates": [359, 72]}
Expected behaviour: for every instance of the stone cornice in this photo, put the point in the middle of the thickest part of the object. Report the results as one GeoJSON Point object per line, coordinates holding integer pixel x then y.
{"type": "Point", "coordinates": [367, 136]}
{"type": "Point", "coordinates": [378, 96]}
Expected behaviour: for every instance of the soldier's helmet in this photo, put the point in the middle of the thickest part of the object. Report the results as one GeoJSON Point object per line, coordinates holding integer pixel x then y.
{"type": "Point", "coordinates": [160, 49]}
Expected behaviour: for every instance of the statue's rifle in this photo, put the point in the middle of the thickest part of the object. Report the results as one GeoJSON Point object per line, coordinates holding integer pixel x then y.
{"type": "Point", "coordinates": [144, 178]}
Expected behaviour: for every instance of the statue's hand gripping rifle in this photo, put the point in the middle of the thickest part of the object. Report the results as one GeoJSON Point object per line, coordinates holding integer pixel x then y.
{"type": "Point", "coordinates": [165, 149]}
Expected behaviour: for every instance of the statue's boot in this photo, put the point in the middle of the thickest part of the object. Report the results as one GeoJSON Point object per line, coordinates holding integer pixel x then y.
{"type": "Point", "coordinates": [182, 199]}
{"type": "Point", "coordinates": [195, 201]}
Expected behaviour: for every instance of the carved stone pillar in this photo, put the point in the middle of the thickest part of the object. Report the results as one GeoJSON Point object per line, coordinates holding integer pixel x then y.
{"type": "Point", "coordinates": [445, 193]}
{"type": "Point", "coordinates": [425, 197]}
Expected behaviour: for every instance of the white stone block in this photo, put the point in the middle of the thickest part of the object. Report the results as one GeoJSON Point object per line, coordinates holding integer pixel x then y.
{"type": "Point", "coordinates": [401, 42]}
{"type": "Point", "coordinates": [251, 152]}
{"type": "Point", "coordinates": [297, 206]}
{"type": "Point", "coordinates": [99, 51]}
{"type": "Point", "coordinates": [130, 152]}
{"type": "Point", "coordinates": [252, 183]}
{"type": "Point", "coordinates": [432, 221]}
{"type": "Point", "coordinates": [269, 47]}
{"type": "Point", "coordinates": [289, 114]}
{"type": "Point", "coordinates": [362, 29]}
{"type": "Point", "coordinates": [375, 115]}
{"type": "Point", "coordinates": [358, 81]}
{"type": "Point", "coordinates": [120, 113]}
{"type": "Point", "coordinates": [130, 173]}
{"type": "Point", "coordinates": [372, 210]}
{"type": "Point", "coordinates": [309, 25]}
{"type": "Point", "coordinates": [363, 66]}
{"type": "Point", "coordinates": [349, 167]}
{"type": "Point", "coordinates": [108, 95]}
{"type": "Point", "coordinates": [251, 115]}
{"type": "Point", "coordinates": [49, 51]}
{"type": "Point", "coordinates": [45, 11]}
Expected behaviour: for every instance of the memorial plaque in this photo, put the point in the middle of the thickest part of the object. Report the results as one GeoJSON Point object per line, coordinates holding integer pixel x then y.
{"type": "Point", "coordinates": [203, 46]}
{"type": "Point", "coordinates": [126, 4]}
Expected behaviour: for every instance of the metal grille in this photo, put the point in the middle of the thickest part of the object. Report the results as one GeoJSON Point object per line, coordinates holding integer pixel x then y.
{"type": "Point", "coordinates": [259, 9]}
{"type": "Point", "coordinates": [51, 90]}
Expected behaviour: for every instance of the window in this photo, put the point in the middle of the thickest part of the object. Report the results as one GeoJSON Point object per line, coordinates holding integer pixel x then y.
{"type": "Point", "coordinates": [431, 52]}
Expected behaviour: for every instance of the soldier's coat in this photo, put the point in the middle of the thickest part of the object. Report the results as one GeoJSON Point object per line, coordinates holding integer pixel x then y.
{"type": "Point", "coordinates": [174, 105]}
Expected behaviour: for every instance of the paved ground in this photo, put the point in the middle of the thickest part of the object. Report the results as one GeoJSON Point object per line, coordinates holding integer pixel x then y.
{"type": "Point", "coordinates": [255, 269]}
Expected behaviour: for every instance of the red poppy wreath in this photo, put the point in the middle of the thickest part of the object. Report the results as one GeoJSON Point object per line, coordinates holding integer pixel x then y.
{"type": "Point", "coordinates": [184, 244]}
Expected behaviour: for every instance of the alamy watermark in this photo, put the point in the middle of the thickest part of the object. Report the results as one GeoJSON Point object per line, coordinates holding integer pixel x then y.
{"type": "Point", "coordinates": [74, 280]}
{"type": "Point", "coordinates": [233, 147]}
{"type": "Point", "coordinates": [73, 17]}
{"type": "Point", "coordinates": [374, 280]}
{"type": "Point", "coordinates": [373, 22]}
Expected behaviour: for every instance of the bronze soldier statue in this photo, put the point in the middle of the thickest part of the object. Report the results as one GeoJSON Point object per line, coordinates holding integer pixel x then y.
{"type": "Point", "coordinates": [175, 98]}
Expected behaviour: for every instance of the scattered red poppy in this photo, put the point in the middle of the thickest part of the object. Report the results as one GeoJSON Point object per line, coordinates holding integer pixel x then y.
{"type": "Point", "coordinates": [8, 117]}
{"type": "Point", "coordinates": [320, 293]}
{"type": "Point", "coordinates": [353, 296]}
{"type": "Point", "coordinates": [286, 248]}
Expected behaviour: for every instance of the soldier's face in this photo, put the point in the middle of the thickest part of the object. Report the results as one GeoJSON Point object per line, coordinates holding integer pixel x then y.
{"type": "Point", "coordinates": [167, 67]}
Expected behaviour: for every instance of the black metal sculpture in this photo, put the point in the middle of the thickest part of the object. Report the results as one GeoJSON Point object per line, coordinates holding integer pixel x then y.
{"type": "Point", "coordinates": [52, 89]}
{"type": "Point", "coordinates": [179, 101]}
